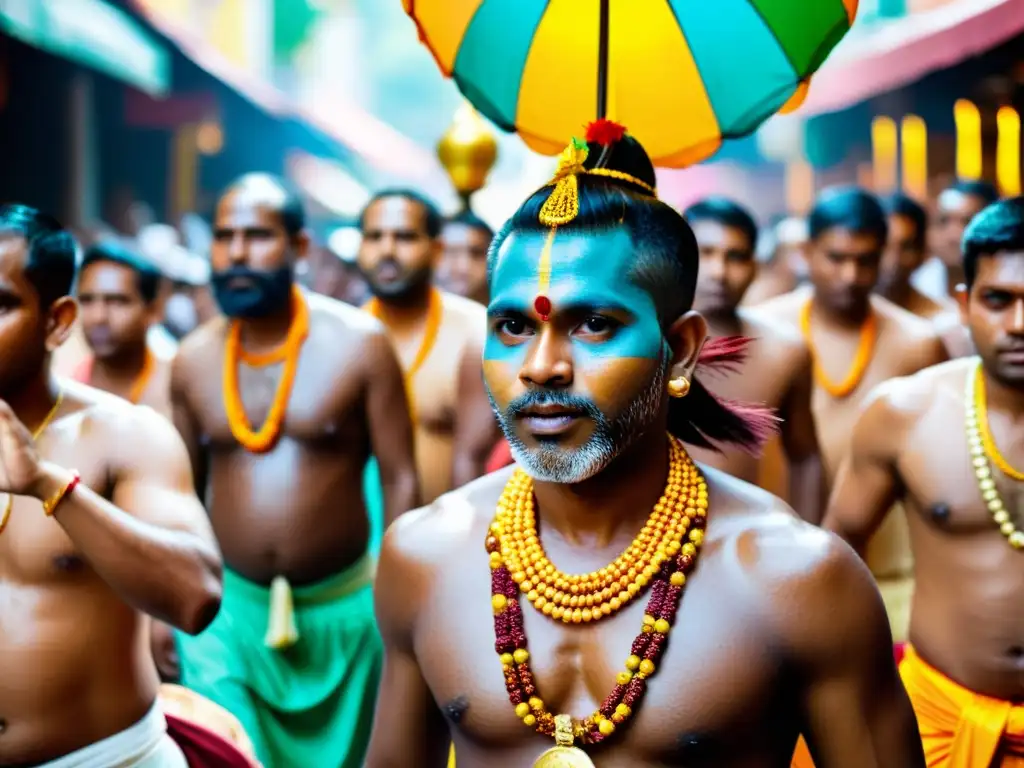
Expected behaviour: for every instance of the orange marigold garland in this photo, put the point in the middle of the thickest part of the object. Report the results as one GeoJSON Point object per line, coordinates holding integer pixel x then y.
{"type": "Point", "coordinates": [142, 380]}
{"type": "Point", "coordinates": [435, 312]}
{"type": "Point", "coordinates": [668, 579]}
{"type": "Point", "coordinates": [861, 361]}
{"type": "Point", "coordinates": [266, 437]}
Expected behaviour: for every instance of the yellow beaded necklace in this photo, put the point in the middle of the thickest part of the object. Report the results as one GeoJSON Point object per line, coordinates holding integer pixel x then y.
{"type": "Point", "coordinates": [587, 597]}
{"type": "Point", "coordinates": [658, 556]}
{"type": "Point", "coordinates": [982, 449]}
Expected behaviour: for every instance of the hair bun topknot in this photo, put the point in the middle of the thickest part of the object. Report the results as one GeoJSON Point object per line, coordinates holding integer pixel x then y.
{"type": "Point", "coordinates": [611, 147]}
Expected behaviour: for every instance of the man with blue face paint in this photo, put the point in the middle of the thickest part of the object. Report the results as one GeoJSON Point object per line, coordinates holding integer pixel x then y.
{"type": "Point", "coordinates": [579, 557]}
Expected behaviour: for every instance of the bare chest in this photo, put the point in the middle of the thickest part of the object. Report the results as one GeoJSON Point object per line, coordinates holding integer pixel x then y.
{"type": "Point", "coordinates": [34, 549]}
{"type": "Point", "coordinates": [713, 688]}
{"type": "Point", "coordinates": [433, 386]}
{"type": "Point", "coordinates": [325, 405]}
{"type": "Point", "coordinates": [835, 417]}
{"type": "Point", "coordinates": [941, 482]}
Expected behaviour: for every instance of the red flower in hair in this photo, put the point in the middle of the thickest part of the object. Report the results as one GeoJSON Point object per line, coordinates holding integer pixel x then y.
{"type": "Point", "coordinates": [605, 132]}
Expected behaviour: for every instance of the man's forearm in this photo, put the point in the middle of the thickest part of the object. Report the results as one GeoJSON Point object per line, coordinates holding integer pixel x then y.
{"type": "Point", "coordinates": [171, 575]}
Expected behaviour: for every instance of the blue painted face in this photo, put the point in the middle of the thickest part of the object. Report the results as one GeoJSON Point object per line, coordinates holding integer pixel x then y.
{"type": "Point", "coordinates": [596, 365]}
{"type": "Point", "coordinates": [590, 278]}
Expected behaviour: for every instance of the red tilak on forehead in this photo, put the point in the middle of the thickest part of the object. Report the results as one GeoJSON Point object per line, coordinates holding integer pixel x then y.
{"type": "Point", "coordinates": [542, 305]}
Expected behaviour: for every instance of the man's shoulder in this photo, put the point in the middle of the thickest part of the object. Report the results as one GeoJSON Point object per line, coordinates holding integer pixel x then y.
{"type": "Point", "coordinates": [459, 305]}
{"type": "Point", "coordinates": [792, 570]}
{"type": "Point", "coordinates": [785, 307]}
{"type": "Point", "coordinates": [202, 341]}
{"type": "Point", "coordinates": [465, 315]}
{"type": "Point", "coordinates": [897, 407]}
{"type": "Point", "coordinates": [766, 329]}
{"type": "Point", "coordinates": [901, 324]}
{"type": "Point", "coordinates": [337, 315]}
{"type": "Point", "coordinates": [430, 536]}
{"type": "Point", "coordinates": [117, 421]}
{"type": "Point", "coordinates": [338, 322]}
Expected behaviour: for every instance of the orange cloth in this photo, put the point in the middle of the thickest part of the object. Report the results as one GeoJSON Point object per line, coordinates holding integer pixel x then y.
{"type": "Point", "coordinates": [961, 729]}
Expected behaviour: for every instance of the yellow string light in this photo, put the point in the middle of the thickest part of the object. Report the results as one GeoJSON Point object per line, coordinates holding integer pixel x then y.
{"type": "Point", "coordinates": [1008, 152]}
{"type": "Point", "coordinates": [914, 147]}
{"type": "Point", "coordinates": [884, 150]}
{"type": "Point", "coordinates": [968, 140]}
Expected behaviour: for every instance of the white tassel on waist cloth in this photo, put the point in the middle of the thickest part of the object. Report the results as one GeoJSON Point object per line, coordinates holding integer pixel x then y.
{"type": "Point", "coordinates": [282, 633]}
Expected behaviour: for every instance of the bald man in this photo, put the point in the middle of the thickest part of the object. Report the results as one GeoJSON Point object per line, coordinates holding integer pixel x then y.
{"type": "Point", "coordinates": [281, 402]}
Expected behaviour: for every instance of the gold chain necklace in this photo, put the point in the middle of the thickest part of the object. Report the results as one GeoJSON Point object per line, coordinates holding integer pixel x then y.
{"type": "Point", "coordinates": [976, 415]}
{"type": "Point", "coordinates": [9, 506]}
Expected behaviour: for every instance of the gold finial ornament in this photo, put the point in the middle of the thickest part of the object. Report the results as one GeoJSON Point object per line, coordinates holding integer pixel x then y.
{"type": "Point", "coordinates": [679, 387]}
{"type": "Point", "coordinates": [468, 151]}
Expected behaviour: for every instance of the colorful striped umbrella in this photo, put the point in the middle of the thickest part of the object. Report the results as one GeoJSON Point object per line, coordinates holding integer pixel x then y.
{"type": "Point", "coordinates": [682, 74]}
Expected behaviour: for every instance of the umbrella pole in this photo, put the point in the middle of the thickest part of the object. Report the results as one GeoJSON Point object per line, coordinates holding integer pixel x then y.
{"type": "Point", "coordinates": [602, 62]}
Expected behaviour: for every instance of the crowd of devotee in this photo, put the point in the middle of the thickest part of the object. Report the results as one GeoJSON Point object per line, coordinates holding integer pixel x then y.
{"type": "Point", "coordinates": [277, 509]}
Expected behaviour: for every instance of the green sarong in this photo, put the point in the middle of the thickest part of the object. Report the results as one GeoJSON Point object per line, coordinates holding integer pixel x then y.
{"type": "Point", "coordinates": [310, 704]}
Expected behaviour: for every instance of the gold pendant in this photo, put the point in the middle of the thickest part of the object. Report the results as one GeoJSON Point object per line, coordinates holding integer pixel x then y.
{"type": "Point", "coordinates": [564, 755]}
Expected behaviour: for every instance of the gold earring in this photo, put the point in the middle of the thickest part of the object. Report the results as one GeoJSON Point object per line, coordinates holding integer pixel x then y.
{"type": "Point", "coordinates": [679, 387]}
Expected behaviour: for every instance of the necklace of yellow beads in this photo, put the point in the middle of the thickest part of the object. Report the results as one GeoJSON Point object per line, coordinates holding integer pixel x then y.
{"type": "Point", "coordinates": [984, 453]}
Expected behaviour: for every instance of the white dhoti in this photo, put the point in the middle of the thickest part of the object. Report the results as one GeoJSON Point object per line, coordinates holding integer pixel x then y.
{"type": "Point", "coordinates": [143, 745]}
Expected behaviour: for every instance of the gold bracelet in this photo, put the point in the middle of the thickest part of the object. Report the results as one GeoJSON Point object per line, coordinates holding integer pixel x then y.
{"type": "Point", "coordinates": [51, 504]}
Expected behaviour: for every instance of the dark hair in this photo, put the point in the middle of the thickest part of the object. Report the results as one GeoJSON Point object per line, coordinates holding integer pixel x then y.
{"type": "Point", "coordinates": [726, 212]}
{"type": "Point", "coordinates": [291, 210]}
{"type": "Point", "coordinates": [665, 249]}
{"type": "Point", "coordinates": [850, 208]}
{"type": "Point", "coordinates": [998, 227]}
{"type": "Point", "coordinates": [110, 251]}
{"type": "Point", "coordinates": [51, 264]}
{"type": "Point", "coordinates": [469, 219]}
{"type": "Point", "coordinates": [901, 205]}
{"type": "Point", "coordinates": [983, 190]}
{"type": "Point", "coordinates": [432, 218]}
{"type": "Point", "coordinates": [665, 265]}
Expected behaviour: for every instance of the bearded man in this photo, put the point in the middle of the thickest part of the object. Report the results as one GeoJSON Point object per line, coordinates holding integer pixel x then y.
{"type": "Point", "coordinates": [589, 360]}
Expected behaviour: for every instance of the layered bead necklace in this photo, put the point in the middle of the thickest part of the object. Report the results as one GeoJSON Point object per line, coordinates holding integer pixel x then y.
{"type": "Point", "coordinates": [662, 556]}
{"type": "Point", "coordinates": [984, 453]}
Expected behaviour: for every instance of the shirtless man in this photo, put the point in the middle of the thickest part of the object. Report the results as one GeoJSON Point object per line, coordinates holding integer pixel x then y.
{"type": "Point", "coordinates": [786, 265]}
{"type": "Point", "coordinates": [857, 340]}
{"type": "Point", "coordinates": [940, 275]}
{"type": "Point", "coordinates": [466, 238]}
{"type": "Point", "coordinates": [117, 293]}
{"type": "Point", "coordinates": [778, 364]}
{"type": "Point", "coordinates": [904, 253]}
{"type": "Point", "coordinates": [280, 403]}
{"type": "Point", "coordinates": [431, 330]}
{"type": "Point", "coordinates": [962, 496]}
{"type": "Point", "coordinates": [82, 563]}
{"type": "Point", "coordinates": [579, 363]}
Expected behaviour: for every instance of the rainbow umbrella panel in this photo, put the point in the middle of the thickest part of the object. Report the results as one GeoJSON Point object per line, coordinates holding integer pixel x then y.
{"type": "Point", "coordinates": [682, 74]}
